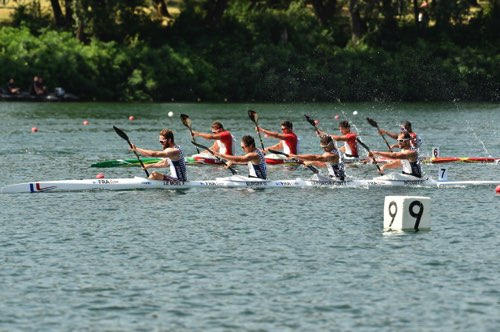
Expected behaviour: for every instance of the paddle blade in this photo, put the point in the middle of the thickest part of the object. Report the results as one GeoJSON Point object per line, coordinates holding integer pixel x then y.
{"type": "Point", "coordinates": [186, 120]}
{"type": "Point", "coordinates": [372, 122]}
{"type": "Point", "coordinates": [253, 116]}
{"type": "Point", "coordinates": [121, 133]}
{"type": "Point", "coordinates": [310, 120]}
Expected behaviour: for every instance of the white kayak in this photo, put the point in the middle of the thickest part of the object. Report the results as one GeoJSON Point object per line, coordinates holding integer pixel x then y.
{"type": "Point", "coordinates": [235, 181]}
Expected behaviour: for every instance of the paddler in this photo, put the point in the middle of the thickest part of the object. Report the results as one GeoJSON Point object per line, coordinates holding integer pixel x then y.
{"type": "Point", "coordinates": [224, 140]}
{"type": "Point", "coordinates": [350, 148]}
{"type": "Point", "coordinates": [407, 157]}
{"type": "Point", "coordinates": [289, 141]}
{"type": "Point", "coordinates": [415, 140]}
{"type": "Point", "coordinates": [253, 156]}
{"type": "Point", "coordinates": [331, 158]}
{"type": "Point", "coordinates": [173, 157]}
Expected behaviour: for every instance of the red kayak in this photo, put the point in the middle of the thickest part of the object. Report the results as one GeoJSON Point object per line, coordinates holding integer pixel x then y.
{"type": "Point", "coordinates": [442, 160]}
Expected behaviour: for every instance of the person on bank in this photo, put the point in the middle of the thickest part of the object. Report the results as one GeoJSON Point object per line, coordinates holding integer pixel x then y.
{"type": "Point", "coordinates": [407, 158]}
{"type": "Point", "coordinates": [331, 158]}
{"type": "Point", "coordinates": [12, 88]}
{"type": "Point", "coordinates": [174, 157]}
{"type": "Point", "coordinates": [289, 141]}
{"type": "Point", "coordinates": [350, 148]}
{"type": "Point", "coordinates": [224, 140]}
{"type": "Point", "coordinates": [254, 157]}
{"type": "Point", "coordinates": [415, 140]}
{"type": "Point", "coordinates": [37, 88]}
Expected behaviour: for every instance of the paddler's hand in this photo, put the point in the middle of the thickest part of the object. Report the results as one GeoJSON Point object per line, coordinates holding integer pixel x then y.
{"type": "Point", "coordinates": [257, 129]}
{"type": "Point", "coordinates": [195, 133]}
{"type": "Point", "coordinates": [133, 147]}
{"type": "Point", "coordinates": [382, 131]}
{"type": "Point", "coordinates": [228, 164]}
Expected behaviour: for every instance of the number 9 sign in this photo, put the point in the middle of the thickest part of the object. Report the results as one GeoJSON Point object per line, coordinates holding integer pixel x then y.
{"type": "Point", "coordinates": [407, 212]}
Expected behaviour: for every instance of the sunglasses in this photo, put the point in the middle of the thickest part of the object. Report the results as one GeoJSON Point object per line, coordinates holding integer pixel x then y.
{"type": "Point", "coordinates": [284, 129]}
{"type": "Point", "coordinates": [403, 140]}
{"type": "Point", "coordinates": [163, 141]}
{"type": "Point", "coordinates": [243, 147]}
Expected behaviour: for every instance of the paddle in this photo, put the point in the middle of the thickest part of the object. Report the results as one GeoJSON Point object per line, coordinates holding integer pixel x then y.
{"type": "Point", "coordinates": [368, 150]}
{"type": "Point", "coordinates": [313, 123]}
{"type": "Point", "coordinates": [218, 158]}
{"type": "Point", "coordinates": [311, 167]}
{"type": "Point", "coordinates": [186, 121]}
{"type": "Point", "coordinates": [255, 118]}
{"type": "Point", "coordinates": [374, 123]}
{"type": "Point", "coordinates": [122, 134]}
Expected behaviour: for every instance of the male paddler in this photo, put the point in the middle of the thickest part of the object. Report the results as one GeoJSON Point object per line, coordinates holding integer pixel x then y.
{"type": "Point", "coordinates": [331, 158]}
{"type": "Point", "coordinates": [253, 156]}
{"type": "Point", "coordinates": [289, 142]}
{"type": "Point", "coordinates": [173, 157]}
{"type": "Point", "coordinates": [224, 141]}
{"type": "Point", "coordinates": [407, 158]}
{"type": "Point", "coordinates": [415, 140]}
{"type": "Point", "coordinates": [350, 148]}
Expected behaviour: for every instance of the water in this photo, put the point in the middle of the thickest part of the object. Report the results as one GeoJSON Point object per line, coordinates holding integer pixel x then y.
{"type": "Point", "coordinates": [241, 260]}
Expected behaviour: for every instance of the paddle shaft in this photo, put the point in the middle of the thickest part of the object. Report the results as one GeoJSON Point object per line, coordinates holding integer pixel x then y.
{"type": "Point", "coordinates": [312, 123]}
{"type": "Point", "coordinates": [186, 121]}
{"type": "Point", "coordinates": [374, 123]}
{"type": "Point", "coordinates": [251, 115]}
{"type": "Point", "coordinates": [311, 167]}
{"type": "Point", "coordinates": [368, 150]}
{"type": "Point", "coordinates": [123, 135]}
{"type": "Point", "coordinates": [233, 171]}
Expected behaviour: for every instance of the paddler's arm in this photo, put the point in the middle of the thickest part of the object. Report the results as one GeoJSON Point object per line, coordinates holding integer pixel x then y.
{"type": "Point", "coordinates": [308, 157]}
{"type": "Point", "coordinates": [388, 133]}
{"type": "Point", "coordinates": [277, 146]}
{"type": "Point", "coordinates": [270, 133]}
{"type": "Point", "coordinates": [206, 136]}
{"type": "Point", "coordinates": [342, 138]}
{"type": "Point", "coordinates": [393, 155]}
{"type": "Point", "coordinates": [252, 156]}
{"type": "Point", "coordinates": [161, 164]}
{"type": "Point", "coordinates": [167, 153]}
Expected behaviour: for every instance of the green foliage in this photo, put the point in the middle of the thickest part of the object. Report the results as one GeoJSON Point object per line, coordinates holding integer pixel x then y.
{"type": "Point", "coordinates": [262, 51]}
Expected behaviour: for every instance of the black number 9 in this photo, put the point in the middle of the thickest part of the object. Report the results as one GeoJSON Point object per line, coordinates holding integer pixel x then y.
{"type": "Point", "coordinates": [393, 215]}
{"type": "Point", "coordinates": [417, 215]}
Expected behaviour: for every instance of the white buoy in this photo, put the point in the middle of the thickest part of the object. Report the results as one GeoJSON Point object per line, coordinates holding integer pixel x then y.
{"type": "Point", "coordinates": [407, 213]}
{"type": "Point", "coordinates": [355, 113]}
{"type": "Point", "coordinates": [170, 114]}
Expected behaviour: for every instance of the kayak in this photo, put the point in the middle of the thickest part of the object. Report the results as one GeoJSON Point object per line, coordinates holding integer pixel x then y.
{"type": "Point", "coordinates": [235, 181]}
{"type": "Point", "coordinates": [442, 160]}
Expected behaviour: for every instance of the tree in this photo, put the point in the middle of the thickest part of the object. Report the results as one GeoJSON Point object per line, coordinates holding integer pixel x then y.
{"type": "Point", "coordinates": [325, 10]}
{"type": "Point", "coordinates": [58, 14]}
{"type": "Point", "coordinates": [358, 27]}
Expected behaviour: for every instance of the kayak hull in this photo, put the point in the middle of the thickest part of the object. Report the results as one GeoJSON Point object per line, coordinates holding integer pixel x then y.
{"type": "Point", "coordinates": [235, 181]}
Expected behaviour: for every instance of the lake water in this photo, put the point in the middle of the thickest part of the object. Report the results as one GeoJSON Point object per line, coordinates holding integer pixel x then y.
{"type": "Point", "coordinates": [242, 260]}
